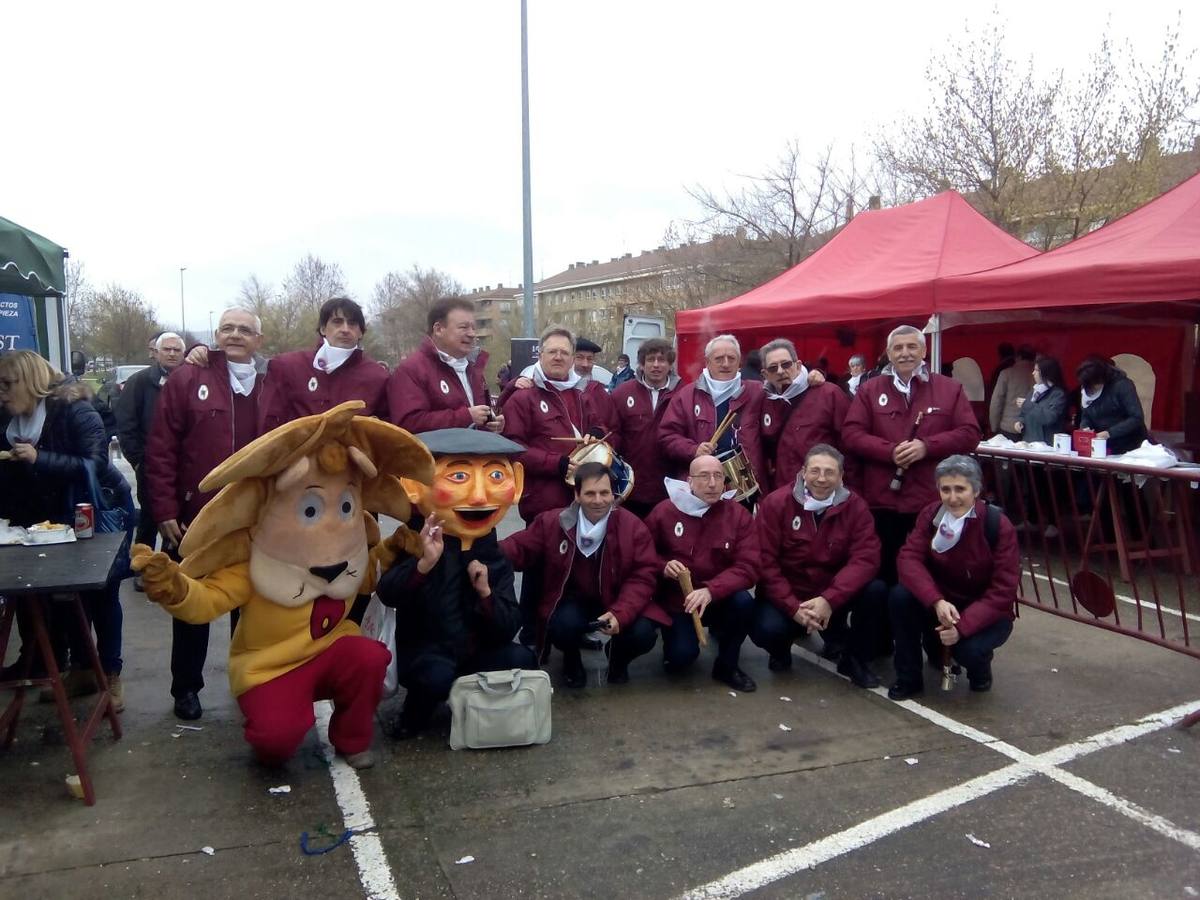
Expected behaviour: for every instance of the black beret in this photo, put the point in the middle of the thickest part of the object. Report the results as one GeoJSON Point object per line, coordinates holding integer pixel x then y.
{"type": "Point", "coordinates": [468, 441]}
{"type": "Point", "coordinates": [586, 346]}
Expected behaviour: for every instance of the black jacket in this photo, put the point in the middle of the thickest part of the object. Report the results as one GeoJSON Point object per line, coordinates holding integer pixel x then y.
{"type": "Point", "coordinates": [442, 613]}
{"type": "Point", "coordinates": [135, 412]}
{"type": "Point", "coordinates": [1119, 412]}
{"type": "Point", "coordinates": [50, 487]}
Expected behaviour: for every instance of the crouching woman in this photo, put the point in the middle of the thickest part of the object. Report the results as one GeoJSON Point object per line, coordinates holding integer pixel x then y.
{"type": "Point", "coordinates": [958, 575]}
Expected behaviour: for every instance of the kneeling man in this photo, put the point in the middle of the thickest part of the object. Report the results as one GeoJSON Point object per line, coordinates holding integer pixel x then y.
{"type": "Point", "coordinates": [820, 555]}
{"type": "Point", "coordinates": [456, 606]}
{"type": "Point", "coordinates": [597, 564]}
{"type": "Point", "coordinates": [700, 530]}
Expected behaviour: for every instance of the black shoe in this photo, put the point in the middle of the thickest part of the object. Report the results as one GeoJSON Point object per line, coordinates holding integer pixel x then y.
{"type": "Point", "coordinates": [832, 650]}
{"type": "Point", "coordinates": [858, 672]}
{"type": "Point", "coordinates": [902, 690]}
{"type": "Point", "coordinates": [980, 682]}
{"type": "Point", "coordinates": [780, 663]}
{"type": "Point", "coordinates": [618, 675]}
{"type": "Point", "coordinates": [188, 707]}
{"type": "Point", "coordinates": [735, 678]}
{"type": "Point", "coordinates": [404, 726]}
{"type": "Point", "coordinates": [574, 675]}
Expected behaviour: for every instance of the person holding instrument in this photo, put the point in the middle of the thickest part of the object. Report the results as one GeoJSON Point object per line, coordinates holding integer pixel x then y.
{"type": "Point", "coordinates": [598, 567]}
{"type": "Point", "coordinates": [900, 424]}
{"type": "Point", "coordinates": [699, 531]}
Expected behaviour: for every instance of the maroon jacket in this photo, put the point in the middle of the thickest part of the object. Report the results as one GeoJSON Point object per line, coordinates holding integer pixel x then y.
{"type": "Point", "coordinates": [790, 428]}
{"type": "Point", "coordinates": [720, 548]}
{"type": "Point", "coordinates": [533, 417]}
{"type": "Point", "coordinates": [880, 418]}
{"type": "Point", "coordinates": [979, 581]}
{"type": "Point", "coordinates": [801, 559]}
{"type": "Point", "coordinates": [691, 419]}
{"type": "Point", "coordinates": [630, 564]}
{"type": "Point", "coordinates": [424, 394]}
{"type": "Point", "coordinates": [196, 427]}
{"type": "Point", "coordinates": [296, 389]}
{"type": "Point", "coordinates": [638, 426]}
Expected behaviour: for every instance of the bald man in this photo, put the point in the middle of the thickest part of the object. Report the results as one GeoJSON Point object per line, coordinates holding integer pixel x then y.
{"type": "Point", "coordinates": [700, 530]}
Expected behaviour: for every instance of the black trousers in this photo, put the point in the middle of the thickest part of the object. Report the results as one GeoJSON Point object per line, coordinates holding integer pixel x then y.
{"type": "Point", "coordinates": [147, 530]}
{"type": "Point", "coordinates": [728, 619]}
{"type": "Point", "coordinates": [568, 626]}
{"type": "Point", "coordinates": [893, 529]}
{"type": "Point", "coordinates": [774, 631]}
{"type": "Point", "coordinates": [428, 674]}
{"type": "Point", "coordinates": [189, 650]}
{"type": "Point", "coordinates": [914, 623]}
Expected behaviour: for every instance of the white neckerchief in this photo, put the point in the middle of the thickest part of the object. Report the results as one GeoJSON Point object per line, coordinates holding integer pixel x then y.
{"type": "Point", "coordinates": [241, 377]}
{"type": "Point", "coordinates": [589, 537]}
{"type": "Point", "coordinates": [27, 429]}
{"type": "Point", "coordinates": [460, 369]}
{"type": "Point", "coordinates": [1087, 398]}
{"type": "Point", "coordinates": [721, 390]}
{"type": "Point", "coordinates": [854, 382]}
{"type": "Point", "coordinates": [540, 379]}
{"type": "Point", "coordinates": [949, 529]}
{"type": "Point", "coordinates": [329, 357]}
{"type": "Point", "coordinates": [680, 494]}
{"type": "Point", "coordinates": [1039, 389]}
{"type": "Point", "coordinates": [812, 504]}
{"type": "Point", "coordinates": [921, 372]}
{"type": "Point", "coordinates": [795, 389]}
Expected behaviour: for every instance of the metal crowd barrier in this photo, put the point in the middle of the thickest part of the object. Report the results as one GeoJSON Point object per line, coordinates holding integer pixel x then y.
{"type": "Point", "coordinates": [1105, 543]}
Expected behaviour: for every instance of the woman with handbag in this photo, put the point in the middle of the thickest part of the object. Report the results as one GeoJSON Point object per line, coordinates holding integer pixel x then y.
{"type": "Point", "coordinates": [56, 455]}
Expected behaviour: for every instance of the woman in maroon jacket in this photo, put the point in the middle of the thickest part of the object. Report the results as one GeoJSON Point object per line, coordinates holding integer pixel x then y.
{"type": "Point", "coordinates": [956, 590]}
{"type": "Point", "coordinates": [820, 554]}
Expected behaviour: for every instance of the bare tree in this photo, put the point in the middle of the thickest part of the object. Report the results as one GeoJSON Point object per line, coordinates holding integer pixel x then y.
{"type": "Point", "coordinates": [399, 305]}
{"type": "Point", "coordinates": [122, 322]}
{"type": "Point", "coordinates": [78, 296]}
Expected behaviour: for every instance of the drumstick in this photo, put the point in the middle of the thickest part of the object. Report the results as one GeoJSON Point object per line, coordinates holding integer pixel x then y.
{"type": "Point", "coordinates": [725, 425]}
{"type": "Point", "coordinates": [685, 585]}
{"type": "Point", "coordinates": [577, 440]}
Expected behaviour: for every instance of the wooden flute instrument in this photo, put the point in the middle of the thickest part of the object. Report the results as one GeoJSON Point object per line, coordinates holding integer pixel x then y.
{"type": "Point", "coordinates": [685, 585]}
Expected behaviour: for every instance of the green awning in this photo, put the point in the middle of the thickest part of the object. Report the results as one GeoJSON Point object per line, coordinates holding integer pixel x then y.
{"type": "Point", "coordinates": [29, 263]}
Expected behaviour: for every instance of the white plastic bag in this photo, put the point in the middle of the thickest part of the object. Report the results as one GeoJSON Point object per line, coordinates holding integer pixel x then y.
{"type": "Point", "coordinates": [379, 622]}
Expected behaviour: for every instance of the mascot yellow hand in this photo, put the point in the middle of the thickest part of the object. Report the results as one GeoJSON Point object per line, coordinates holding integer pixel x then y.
{"type": "Point", "coordinates": [164, 582]}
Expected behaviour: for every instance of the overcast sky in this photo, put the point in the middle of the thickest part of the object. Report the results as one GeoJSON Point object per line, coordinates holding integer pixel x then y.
{"type": "Point", "coordinates": [232, 138]}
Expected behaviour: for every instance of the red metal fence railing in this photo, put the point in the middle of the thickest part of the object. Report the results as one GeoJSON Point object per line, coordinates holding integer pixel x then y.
{"type": "Point", "coordinates": [1105, 543]}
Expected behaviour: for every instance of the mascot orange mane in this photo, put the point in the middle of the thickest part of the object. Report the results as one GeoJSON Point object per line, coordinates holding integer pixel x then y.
{"type": "Point", "coordinates": [290, 541]}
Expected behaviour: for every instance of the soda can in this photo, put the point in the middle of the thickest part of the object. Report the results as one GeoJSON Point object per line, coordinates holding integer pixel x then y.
{"type": "Point", "coordinates": [85, 520]}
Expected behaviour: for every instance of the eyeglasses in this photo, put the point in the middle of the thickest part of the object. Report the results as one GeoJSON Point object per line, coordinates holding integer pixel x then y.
{"type": "Point", "coordinates": [708, 476]}
{"type": "Point", "coordinates": [242, 330]}
{"type": "Point", "coordinates": [781, 367]}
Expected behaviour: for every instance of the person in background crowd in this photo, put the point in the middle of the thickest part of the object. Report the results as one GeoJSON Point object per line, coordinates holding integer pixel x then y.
{"type": "Point", "coordinates": [900, 424]}
{"type": "Point", "coordinates": [314, 380]}
{"type": "Point", "coordinates": [820, 556]}
{"type": "Point", "coordinates": [598, 564]}
{"type": "Point", "coordinates": [858, 368]}
{"type": "Point", "coordinates": [135, 414]}
{"type": "Point", "coordinates": [51, 434]}
{"type": "Point", "coordinates": [1011, 387]}
{"type": "Point", "coordinates": [504, 376]}
{"type": "Point", "coordinates": [583, 363]}
{"type": "Point", "coordinates": [585, 358]}
{"type": "Point", "coordinates": [1109, 405]}
{"type": "Point", "coordinates": [442, 384]}
{"type": "Point", "coordinates": [1007, 355]}
{"type": "Point", "coordinates": [205, 414]}
{"type": "Point", "coordinates": [796, 415]}
{"type": "Point", "coordinates": [1043, 413]}
{"type": "Point", "coordinates": [958, 584]}
{"type": "Point", "coordinates": [152, 347]}
{"type": "Point", "coordinates": [623, 373]}
{"type": "Point", "coordinates": [752, 368]}
{"type": "Point", "coordinates": [695, 411]}
{"type": "Point", "coordinates": [699, 530]}
{"type": "Point", "coordinates": [639, 406]}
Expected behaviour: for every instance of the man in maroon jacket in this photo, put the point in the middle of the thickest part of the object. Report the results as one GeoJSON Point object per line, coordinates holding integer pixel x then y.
{"type": "Point", "coordinates": [205, 414]}
{"type": "Point", "coordinates": [900, 425]}
{"type": "Point", "coordinates": [819, 559]}
{"type": "Point", "coordinates": [699, 530]}
{"type": "Point", "coordinates": [640, 404]}
{"type": "Point", "coordinates": [441, 384]}
{"type": "Point", "coordinates": [598, 564]}
{"type": "Point", "coordinates": [312, 381]}
{"type": "Point", "coordinates": [958, 584]}
{"type": "Point", "coordinates": [695, 411]}
{"type": "Point", "coordinates": [796, 414]}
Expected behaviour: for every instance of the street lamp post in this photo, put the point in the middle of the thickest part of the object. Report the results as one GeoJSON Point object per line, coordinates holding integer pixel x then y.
{"type": "Point", "coordinates": [182, 314]}
{"type": "Point", "coordinates": [526, 203]}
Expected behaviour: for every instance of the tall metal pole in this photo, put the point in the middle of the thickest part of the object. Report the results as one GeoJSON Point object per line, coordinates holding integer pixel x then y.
{"type": "Point", "coordinates": [182, 315]}
{"type": "Point", "coordinates": [526, 204]}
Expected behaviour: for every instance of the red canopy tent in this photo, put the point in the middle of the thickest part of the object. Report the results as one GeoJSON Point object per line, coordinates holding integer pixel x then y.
{"type": "Point", "coordinates": [1083, 298]}
{"type": "Point", "coordinates": [880, 268]}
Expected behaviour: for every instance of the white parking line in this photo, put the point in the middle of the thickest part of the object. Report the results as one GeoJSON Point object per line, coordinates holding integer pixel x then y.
{"type": "Point", "coordinates": [373, 869]}
{"type": "Point", "coordinates": [1025, 766]}
{"type": "Point", "coordinates": [1130, 600]}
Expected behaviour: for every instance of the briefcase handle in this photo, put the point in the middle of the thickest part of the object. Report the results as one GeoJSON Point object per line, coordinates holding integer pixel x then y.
{"type": "Point", "coordinates": [506, 681]}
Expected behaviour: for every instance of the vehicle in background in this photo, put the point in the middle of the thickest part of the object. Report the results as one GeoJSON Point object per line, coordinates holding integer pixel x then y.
{"type": "Point", "coordinates": [639, 329]}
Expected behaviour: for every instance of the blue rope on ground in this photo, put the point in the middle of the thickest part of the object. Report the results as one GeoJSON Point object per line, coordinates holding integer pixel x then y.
{"type": "Point", "coordinates": [304, 848]}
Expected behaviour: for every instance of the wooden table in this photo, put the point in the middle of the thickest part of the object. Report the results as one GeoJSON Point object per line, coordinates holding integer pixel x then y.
{"type": "Point", "coordinates": [31, 576]}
